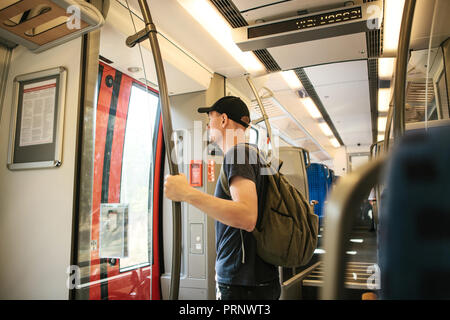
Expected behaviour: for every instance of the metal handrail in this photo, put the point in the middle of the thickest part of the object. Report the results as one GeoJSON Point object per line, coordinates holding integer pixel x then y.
{"type": "Point", "coordinates": [263, 112]}
{"type": "Point", "coordinates": [150, 32]}
{"type": "Point", "coordinates": [401, 68]}
{"type": "Point", "coordinates": [387, 131]}
{"type": "Point", "coordinates": [300, 276]}
{"type": "Point", "coordinates": [339, 212]}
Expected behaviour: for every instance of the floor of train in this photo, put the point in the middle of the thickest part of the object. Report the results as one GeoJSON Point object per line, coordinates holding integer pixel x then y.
{"type": "Point", "coordinates": [360, 277]}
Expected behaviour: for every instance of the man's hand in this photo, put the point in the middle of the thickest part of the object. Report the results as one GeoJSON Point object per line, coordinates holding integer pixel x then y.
{"type": "Point", "coordinates": [313, 203]}
{"type": "Point", "coordinates": [177, 188]}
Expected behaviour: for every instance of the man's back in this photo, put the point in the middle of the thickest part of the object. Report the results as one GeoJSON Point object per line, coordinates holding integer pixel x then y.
{"type": "Point", "coordinates": [237, 262]}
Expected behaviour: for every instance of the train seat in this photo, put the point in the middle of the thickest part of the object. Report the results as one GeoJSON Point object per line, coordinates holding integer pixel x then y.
{"type": "Point", "coordinates": [318, 175]}
{"type": "Point", "coordinates": [414, 239]}
{"type": "Point", "coordinates": [294, 167]}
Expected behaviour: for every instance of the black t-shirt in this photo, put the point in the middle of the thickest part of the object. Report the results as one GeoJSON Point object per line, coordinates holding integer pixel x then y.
{"type": "Point", "coordinates": [237, 262]}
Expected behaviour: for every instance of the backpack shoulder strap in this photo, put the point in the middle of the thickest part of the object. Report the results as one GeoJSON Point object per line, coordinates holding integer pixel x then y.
{"type": "Point", "coordinates": [224, 182]}
{"type": "Point", "coordinates": [223, 179]}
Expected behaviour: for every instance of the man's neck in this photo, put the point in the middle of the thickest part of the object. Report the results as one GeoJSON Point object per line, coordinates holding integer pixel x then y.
{"type": "Point", "coordinates": [230, 142]}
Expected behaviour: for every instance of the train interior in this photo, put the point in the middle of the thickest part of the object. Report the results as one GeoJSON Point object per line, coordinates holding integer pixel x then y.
{"type": "Point", "coordinates": [87, 219]}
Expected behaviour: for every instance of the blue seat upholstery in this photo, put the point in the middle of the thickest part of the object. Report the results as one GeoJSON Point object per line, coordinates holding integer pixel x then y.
{"type": "Point", "coordinates": [414, 238]}
{"type": "Point", "coordinates": [318, 187]}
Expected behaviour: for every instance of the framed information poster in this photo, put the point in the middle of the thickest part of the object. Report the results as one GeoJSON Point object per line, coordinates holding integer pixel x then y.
{"type": "Point", "coordinates": [37, 120]}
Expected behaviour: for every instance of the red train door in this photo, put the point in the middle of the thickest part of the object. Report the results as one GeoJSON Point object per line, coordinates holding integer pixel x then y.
{"type": "Point", "coordinates": [128, 164]}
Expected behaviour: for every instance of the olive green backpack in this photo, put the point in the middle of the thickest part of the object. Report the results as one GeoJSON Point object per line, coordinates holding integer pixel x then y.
{"type": "Point", "coordinates": [287, 233]}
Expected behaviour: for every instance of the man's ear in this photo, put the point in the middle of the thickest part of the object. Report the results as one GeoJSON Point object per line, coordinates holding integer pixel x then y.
{"type": "Point", "coordinates": [224, 119]}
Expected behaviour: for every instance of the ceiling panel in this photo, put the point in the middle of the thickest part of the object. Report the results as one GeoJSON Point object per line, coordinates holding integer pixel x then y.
{"type": "Point", "coordinates": [309, 145]}
{"type": "Point", "coordinates": [190, 36]}
{"type": "Point", "coordinates": [289, 128]}
{"type": "Point", "coordinates": [321, 156]}
{"type": "Point", "coordinates": [337, 49]}
{"type": "Point", "coordinates": [281, 9]}
{"type": "Point", "coordinates": [344, 91]}
{"type": "Point", "coordinates": [423, 15]}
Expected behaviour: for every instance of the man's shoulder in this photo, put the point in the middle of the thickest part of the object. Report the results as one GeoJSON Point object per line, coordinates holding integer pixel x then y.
{"type": "Point", "coordinates": [242, 151]}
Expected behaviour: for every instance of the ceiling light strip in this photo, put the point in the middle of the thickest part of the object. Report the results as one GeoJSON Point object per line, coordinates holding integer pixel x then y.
{"type": "Point", "coordinates": [301, 74]}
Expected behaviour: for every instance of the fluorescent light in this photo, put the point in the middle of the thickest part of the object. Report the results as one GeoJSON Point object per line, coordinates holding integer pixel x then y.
{"type": "Point", "coordinates": [311, 107]}
{"type": "Point", "coordinates": [352, 252]}
{"type": "Point", "coordinates": [213, 22]}
{"type": "Point", "coordinates": [335, 143]}
{"type": "Point", "coordinates": [386, 68]}
{"type": "Point", "coordinates": [384, 96]}
{"type": "Point", "coordinates": [357, 240]}
{"type": "Point", "coordinates": [319, 251]}
{"type": "Point", "coordinates": [393, 12]}
{"type": "Point", "coordinates": [325, 129]}
{"type": "Point", "coordinates": [291, 79]}
{"type": "Point", "coordinates": [382, 123]}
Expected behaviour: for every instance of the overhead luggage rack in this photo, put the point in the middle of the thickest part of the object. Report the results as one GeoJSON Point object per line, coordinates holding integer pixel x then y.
{"type": "Point", "coordinates": [42, 24]}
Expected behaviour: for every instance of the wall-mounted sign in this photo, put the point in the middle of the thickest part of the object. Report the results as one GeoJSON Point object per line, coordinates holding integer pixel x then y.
{"type": "Point", "coordinates": [113, 230]}
{"type": "Point", "coordinates": [37, 117]}
{"type": "Point", "coordinates": [211, 170]}
{"type": "Point", "coordinates": [195, 173]}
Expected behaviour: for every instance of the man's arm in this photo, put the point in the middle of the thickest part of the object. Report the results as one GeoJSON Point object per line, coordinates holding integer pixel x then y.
{"type": "Point", "coordinates": [241, 212]}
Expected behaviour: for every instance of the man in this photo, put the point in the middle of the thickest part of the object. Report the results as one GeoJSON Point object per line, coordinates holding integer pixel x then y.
{"type": "Point", "coordinates": [240, 272]}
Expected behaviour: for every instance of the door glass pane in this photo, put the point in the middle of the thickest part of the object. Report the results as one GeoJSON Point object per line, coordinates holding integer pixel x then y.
{"type": "Point", "coordinates": [115, 237]}
{"type": "Point", "coordinates": [135, 186]}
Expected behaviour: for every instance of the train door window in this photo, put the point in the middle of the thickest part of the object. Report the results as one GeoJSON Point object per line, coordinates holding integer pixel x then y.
{"type": "Point", "coordinates": [135, 185]}
{"type": "Point", "coordinates": [356, 160]}
{"type": "Point", "coordinates": [118, 192]}
{"type": "Point", "coordinates": [442, 96]}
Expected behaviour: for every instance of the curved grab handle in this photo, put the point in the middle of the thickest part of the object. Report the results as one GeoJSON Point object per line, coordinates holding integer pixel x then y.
{"type": "Point", "coordinates": [342, 206]}
{"type": "Point", "coordinates": [150, 32]}
{"type": "Point", "coordinates": [263, 112]}
{"type": "Point", "coordinates": [269, 93]}
{"type": "Point", "coordinates": [328, 171]}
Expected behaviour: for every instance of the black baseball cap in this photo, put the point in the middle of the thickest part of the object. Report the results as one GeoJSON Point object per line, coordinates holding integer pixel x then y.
{"type": "Point", "coordinates": [233, 107]}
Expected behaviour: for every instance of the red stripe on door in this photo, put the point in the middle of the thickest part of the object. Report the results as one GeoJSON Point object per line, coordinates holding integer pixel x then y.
{"type": "Point", "coordinates": [103, 105]}
{"type": "Point", "coordinates": [157, 187]}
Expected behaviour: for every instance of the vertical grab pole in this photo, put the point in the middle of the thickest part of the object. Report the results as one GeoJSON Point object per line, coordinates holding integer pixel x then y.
{"type": "Point", "coordinates": [263, 112]}
{"type": "Point", "coordinates": [150, 32]}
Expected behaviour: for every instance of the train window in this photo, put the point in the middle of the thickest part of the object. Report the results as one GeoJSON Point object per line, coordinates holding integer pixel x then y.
{"type": "Point", "coordinates": [355, 160]}
{"type": "Point", "coordinates": [254, 134]}
{"type": "Point", "coordinates": [136, 186]}
{"type": "Point", "coordinates": [443, 96]}
{"type": "Point", "coordinates": [426, 94]}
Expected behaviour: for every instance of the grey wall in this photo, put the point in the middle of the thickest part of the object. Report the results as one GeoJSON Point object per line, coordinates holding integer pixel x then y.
{"type": "Point", "coordinates": [36, 205]}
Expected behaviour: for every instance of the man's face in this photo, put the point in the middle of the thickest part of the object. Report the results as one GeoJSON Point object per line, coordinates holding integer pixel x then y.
{"type": "Point", "coordinates": [215, 129]}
